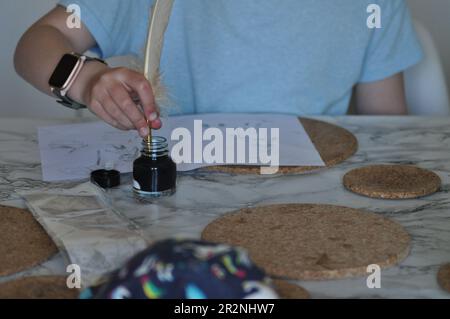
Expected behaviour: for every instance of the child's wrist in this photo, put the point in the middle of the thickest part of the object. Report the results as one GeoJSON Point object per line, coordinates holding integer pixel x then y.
{"type": "Point", "coordinates": [80, 90]}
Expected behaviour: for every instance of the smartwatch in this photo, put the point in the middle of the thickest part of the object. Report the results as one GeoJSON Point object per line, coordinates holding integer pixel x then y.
{"type": "Point", "coordinates": [65, 74]}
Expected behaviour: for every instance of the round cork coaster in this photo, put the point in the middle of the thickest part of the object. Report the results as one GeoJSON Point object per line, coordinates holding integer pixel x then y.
{"type": "Point", "coordinates": [392, 181]}
{"type": "Point", "coordinates": [334, 144]}
{"type": "Point", "coordinates": [312, 242]}
{"type": "Point", "coordinates": [23, 242]}
{"type": "Point", "coordinates": [38, 288]}
{"type": "Point", "coordinates": [287, 290]}
{"type": "Point", "coordinates": [444, 277]}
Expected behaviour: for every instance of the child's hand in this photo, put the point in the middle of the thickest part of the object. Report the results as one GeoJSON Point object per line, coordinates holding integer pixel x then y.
{"type": "Point", "coordinates": [108, 94]}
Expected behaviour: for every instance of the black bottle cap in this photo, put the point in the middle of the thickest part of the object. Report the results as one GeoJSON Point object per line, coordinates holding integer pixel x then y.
{"type": "Point", "coordinates": [106, 178]}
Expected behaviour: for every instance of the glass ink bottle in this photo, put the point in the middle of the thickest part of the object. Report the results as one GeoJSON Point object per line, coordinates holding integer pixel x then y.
{"type": "Point", "coordinates": [154, 173]}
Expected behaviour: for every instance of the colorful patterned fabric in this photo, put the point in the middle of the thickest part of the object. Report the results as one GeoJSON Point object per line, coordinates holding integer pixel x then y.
{"type": "Point", "coordinates": [175, 269]}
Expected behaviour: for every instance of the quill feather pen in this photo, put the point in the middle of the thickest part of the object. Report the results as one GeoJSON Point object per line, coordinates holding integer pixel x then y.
{"type": "Point", "coordinates": [159, 20]}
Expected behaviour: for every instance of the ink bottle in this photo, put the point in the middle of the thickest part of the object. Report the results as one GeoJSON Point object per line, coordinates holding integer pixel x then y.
{"type": "Point", "coordinates": [154, 173]}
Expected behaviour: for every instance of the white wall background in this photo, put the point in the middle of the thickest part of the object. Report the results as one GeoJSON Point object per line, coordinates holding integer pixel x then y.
{"type": "Point", "coordinates": [19, 99]}
{"type": "Point", "coordinates": [435, 16]}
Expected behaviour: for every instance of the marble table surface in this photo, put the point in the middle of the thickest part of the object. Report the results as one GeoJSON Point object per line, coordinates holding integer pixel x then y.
{"type": "Point", "coordinates": [202, 197]}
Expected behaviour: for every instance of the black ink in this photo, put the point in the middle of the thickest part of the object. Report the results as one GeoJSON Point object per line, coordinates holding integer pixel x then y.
{"type": "Point", "coordinates": [154, 173]}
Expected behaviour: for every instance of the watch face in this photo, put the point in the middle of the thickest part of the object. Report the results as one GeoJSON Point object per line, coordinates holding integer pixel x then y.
{"type": "Point", "coordinates": [63, 71]}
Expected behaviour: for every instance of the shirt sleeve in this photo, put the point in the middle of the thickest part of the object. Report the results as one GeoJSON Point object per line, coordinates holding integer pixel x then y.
{"type": "Point", "coordinates": [116, 25]}
{"type": "Point", "coordinates": [394, 47]}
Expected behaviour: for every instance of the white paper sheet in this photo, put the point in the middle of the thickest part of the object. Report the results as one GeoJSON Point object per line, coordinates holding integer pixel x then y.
{"type": "Point", "coordinates": [71, 152]}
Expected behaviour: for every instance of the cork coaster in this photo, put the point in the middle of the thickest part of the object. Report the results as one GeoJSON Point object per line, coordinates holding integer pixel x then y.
{"type": "Point", "coordinates": [287, 290]}
{"type": "Point", "coordinates": [23, 242]}
{"type": "Point", "coordinates": [312, 242]}
{"type": "Point", "coordinates": [38, 288]}
{"type": "Point", "coordinates": [334, 144]}
{"type": "Point", "coordinates": [392, 181]}
{"type": "Point", "coordinates": [444, 277]}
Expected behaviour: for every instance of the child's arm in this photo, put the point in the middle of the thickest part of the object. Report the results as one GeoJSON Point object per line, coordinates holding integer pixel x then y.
{"type": "Point", "coordinates": [105, 91]}
{"type": "Point", "coordinates": [385, 97]}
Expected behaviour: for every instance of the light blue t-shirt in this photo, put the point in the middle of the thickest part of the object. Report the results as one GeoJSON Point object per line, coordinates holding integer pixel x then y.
{"type": "Point", "coordinates": [290, 56]}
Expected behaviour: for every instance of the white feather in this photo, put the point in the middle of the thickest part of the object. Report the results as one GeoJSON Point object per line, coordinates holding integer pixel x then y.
{"type": "Point", "coordinates": [159, 20]}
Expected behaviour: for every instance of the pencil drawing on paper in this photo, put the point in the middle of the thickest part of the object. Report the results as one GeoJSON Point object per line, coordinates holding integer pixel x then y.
{"type": "Point", "coordinates": [68, 145]}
